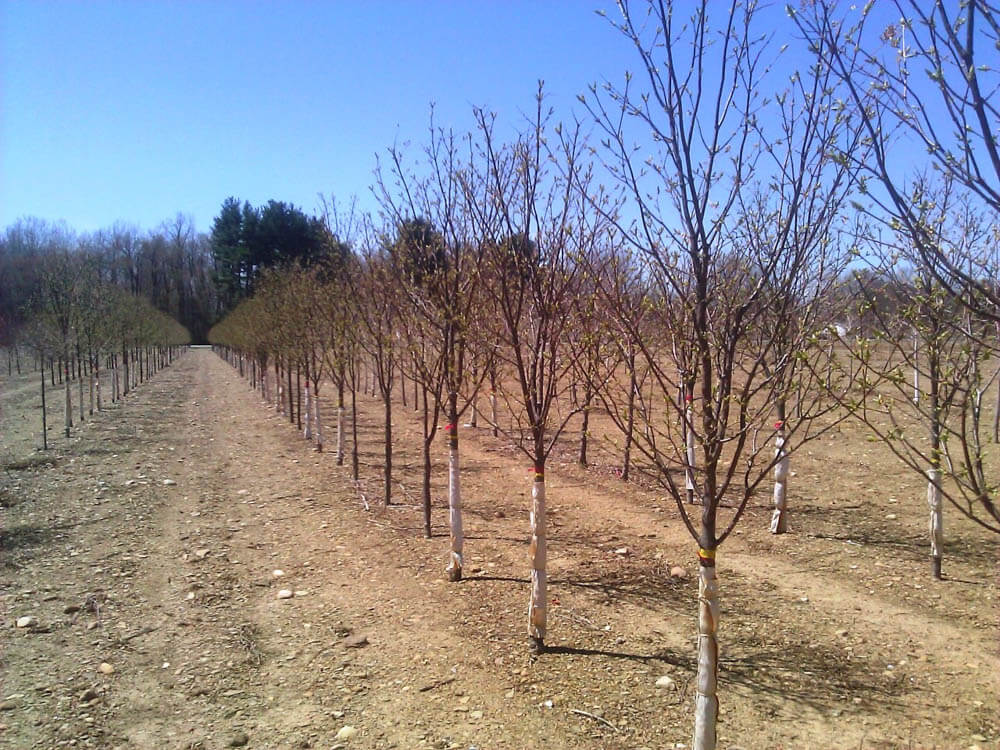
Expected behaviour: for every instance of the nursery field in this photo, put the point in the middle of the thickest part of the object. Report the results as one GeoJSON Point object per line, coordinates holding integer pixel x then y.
{"type": "Point", "coordinates": [186, 572]}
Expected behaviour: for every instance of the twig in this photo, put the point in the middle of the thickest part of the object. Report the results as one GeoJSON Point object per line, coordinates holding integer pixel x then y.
{"type": "Point", "coordinates": [436, 684]}
{"type": "Point", "coordinates": [144, 631]}
{"type": "Point", "coordinates": [595, 717]}
{"type": "Point", "coordinates": [316, 655]}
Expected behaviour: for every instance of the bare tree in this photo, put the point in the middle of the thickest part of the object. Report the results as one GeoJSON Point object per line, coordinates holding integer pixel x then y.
{"type": "Point", "coordinates": [704, 169]}
{"type": "Point", "coordinates": [938, 433]}
{"type": "Point", "coordinates": [438, 261]}
{"type": "Point", "coordinates": [538, 228]}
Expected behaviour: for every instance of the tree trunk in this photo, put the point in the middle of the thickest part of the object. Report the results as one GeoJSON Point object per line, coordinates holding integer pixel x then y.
{"type": "Point", "coordinates": [291, 396]}
{"type": "Point", "coordinates": [307, 431]}
{"type": "Point", "coordinates": [474, 417]}
{"type": "Point", "coordinates": [454, 494]}
{"type": "Point", "coordinates": [706, 700]}
{"type": "Point", "coordinates": [493, 412]}
{"type": "Point", "coordinates": [125, 375]}
{"type": "Point", "coordinates": [537, 608]}
{"type": "Point", "coordinates": [629, 418]}
{"type": "Point", "coordinates": [318, 420]}
{"type": "Point", "coordinates": [69, 400]}
{"type": "Point", "coordinates": [387, 401]}
{"type": "Point", "coordinates": [45, 424]}
{"type": "Point", "coordinates": [354, 429]}
{"type": "Point", "coordinates": [936, 522]}
{"type": "Point", "coordinates": [298, 397]}
{"type": "Point", "coordinates": [690, 452]}
{"type": "Point", "coordinates": [996, 415]}
{"type": "Point", "coordinates": [97, 382]}
{"type": "Point", "coordinates": [426, 487]}
{"type": "Point", "coordinates": [585, 426]}
{"type": "Point", "coordinates": [79, 384]}
{"type": "Point", "coordinates": [779, 517]}
{"type": "Point", "coordinates": [340, 423]}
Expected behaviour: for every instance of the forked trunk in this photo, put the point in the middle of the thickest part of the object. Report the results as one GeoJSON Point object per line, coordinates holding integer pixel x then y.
{"type": "Point", "coordinates": [779, 517]}
{"type": "Point", "coordinates": [537, 608]}
{"type": "Point", "coordinates": [706, 699]}
{"type": "Point", "coordinates": [936, 520]}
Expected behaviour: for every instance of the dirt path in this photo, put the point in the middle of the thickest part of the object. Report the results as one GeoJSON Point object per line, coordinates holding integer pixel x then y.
{"type": "Point", "coordinates": [150, 542]}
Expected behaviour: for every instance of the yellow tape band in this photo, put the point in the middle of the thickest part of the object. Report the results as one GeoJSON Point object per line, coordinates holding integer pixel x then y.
{"type": "Point", "coordinates": [707, 554]}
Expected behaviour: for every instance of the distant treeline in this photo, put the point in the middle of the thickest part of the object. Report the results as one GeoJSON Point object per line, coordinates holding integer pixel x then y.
{"type": "Point", "coordinates": [194, 277]}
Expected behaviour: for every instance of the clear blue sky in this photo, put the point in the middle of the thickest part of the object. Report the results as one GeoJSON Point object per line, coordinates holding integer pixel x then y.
{"type": "Point", "coordinates": [137, 110]}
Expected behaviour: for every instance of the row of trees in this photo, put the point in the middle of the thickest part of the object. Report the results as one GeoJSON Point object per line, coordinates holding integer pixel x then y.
{"type": "Point", "coordinates": [83, 324]}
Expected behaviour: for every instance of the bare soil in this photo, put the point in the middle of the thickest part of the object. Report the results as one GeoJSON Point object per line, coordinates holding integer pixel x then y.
{"type": "Point", "coordinates": [148, 543]}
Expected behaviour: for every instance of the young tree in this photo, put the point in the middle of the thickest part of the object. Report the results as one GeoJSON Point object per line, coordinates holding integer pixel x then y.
{"type": "Point", "coordinates": [939, 434]}
{"type": "Point", "coordinates": [374, 291]}
{"type": "Point", "coordinates": [537, 228]}
{"type": "Point", "coordinates": [437, 261]}
{"type": "Point", "coordinates": [710, 170]}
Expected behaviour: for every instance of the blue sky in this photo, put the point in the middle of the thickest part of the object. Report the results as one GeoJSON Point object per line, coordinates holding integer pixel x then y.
{"type": "Point", "coordinates": [137, 110]}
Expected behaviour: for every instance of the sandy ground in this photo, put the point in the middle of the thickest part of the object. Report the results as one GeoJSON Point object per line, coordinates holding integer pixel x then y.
{"type": "Point", "coordinates": [146, 547]}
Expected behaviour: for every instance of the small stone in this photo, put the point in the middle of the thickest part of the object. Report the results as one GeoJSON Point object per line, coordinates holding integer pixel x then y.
{"type": "Point", "coordinates": [347, 732]}
{"type": "Point", "coordinates": [622, 551]}
{"type": "Point", "coordinates": [665, 682]}
{"type": "Point", "coordinates": [499, 514]}
{"type": "Point", "coordinates": [89, 694]}
{"type": "Point", "coordinates": [678, 572]}
{"type": "Point", "coordinates": [978, 738]}
{"type": "Point", "coordinates": [301, 592]}
{"type": "Point", "coordinates": [105, 668]}
{"type": "Point", "coordinates": [169, 483]}
{"type": "Point", "coordinates": [356, 641]}
{"type": "Point", "coordinates": [277, 573]}
{"type": "Point", "coordinates": [202, 553]}
{"type": "Point", "coordinates": [70, 609]}
{"type": "Point", "coordinates": [842, 633]}
{"type": "Point", "coordinates": [27, 621]}
{"type": "Point", "coordinates": [7, 705]}
{"type": "Point", "coordinates": [285, 594]}
{"type": "Point", "coordinates": [239, 739]}
{"type": "Point", "coordinates": [892, 516]}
